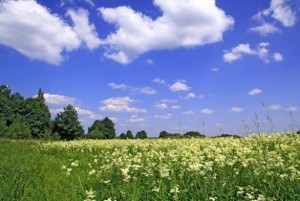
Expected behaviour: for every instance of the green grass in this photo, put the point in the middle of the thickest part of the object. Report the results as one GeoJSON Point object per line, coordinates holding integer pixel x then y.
{"type": "Point", "coordinates": [253, 167]}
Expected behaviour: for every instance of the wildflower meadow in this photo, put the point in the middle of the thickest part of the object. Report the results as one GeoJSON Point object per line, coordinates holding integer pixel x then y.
{"type": "Point", "coordinates": [258, 167]}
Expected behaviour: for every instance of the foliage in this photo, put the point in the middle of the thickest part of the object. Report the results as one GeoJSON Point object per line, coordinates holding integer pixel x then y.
{"type": "Point", "coordinates": [105, 126]}
{"type": "Point", "coordinates": [38, 115]}
{"type": "Point", "coordinates": [95, 134]}
{"type": "Point", "coordinates": [298, 132]}
{"type": "Point", "coordinates": [193, 134]}
{"type": "Point", "coordinates": [141, 135]}
{"type": "Point", "coordinates": [163, 134]}
{"type": "Point", "coordinates": [129, 135]}
{"type": "Point", "coordinates": [19, 129]}
{"type": "Point", "coordinates": [122, 136]}
{"type": "Point", "coordinates": [67, 125]}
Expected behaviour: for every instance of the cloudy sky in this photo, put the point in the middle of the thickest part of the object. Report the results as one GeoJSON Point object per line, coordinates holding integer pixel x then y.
{"type": "Point", "coordinates": [221, 66]}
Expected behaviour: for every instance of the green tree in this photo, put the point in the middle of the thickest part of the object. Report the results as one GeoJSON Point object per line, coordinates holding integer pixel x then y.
{"type": "Point", "coordinates": [95, 134]}
{"type": "Point", "coordinates": [105, 126]}
{"type": "Point", "coordinates": [38, 115]}
{"type": "Point", "coordinates": [298, 132]}
{"type": "Point", "coordinates": [193, 134]}
{"type": "Point", "coordinates": [163, 134]}
{"type": "Point", "coordinates": [141, 135]}
{"type": "Point", "coordinates": [67, 125]}
{"type": "Point", "coordinates": [5, 105]}
{"type": "Point", "coordinates": [19, 129]}
{"type": "Point", "coordinates": [129, 135]}
{"type": "Point", "coordinates": [122, 136]}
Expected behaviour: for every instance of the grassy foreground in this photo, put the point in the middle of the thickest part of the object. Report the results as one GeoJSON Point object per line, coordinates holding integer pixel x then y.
{"type": "Point", "coordinates": [265, 167]}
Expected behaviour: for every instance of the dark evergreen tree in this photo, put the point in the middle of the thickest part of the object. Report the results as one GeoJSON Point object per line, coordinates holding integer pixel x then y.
{"type": "Point", "coordinates": [38, 115]}
{"type": "Point", "coordinates": [141, 135]}
{"type": "Point", "coordinates": [67, 125]}
{"type": "Point", "coordinates": [5, 105]}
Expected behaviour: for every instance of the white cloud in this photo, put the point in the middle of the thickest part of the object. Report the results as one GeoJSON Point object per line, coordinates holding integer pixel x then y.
{"type": "Point", "coordinates": [164, 117]}
{"type": "Point", "coordinates": [145, 90]}
{"type": "Point", "coordinates": [175, 107]}
{"type": "Point", "coordinates": [117, 86]}
{"type": "Point", "coordinates": [179, 86]}
{"type": "Point", "coordinates": [236, 110]}
{"type": "Point", "coordinates": [32, 30]}
{"type": "Point", "coordinates": [182, 24]}
{"type": "Point", "coordinates": [159, 81]}
{"type": "Point", "coordinates": [55, 99]}
{"type": "Point", "coordinates": [214, 69]}
{"type": "Point", "coordinates": [150, 61]}
{"type": "Point", "coordinates": [254, 92]}
{"type": "Point", "coordinates": [85, 31]}
{"type": "Point", "coordinates": [83, 112]}
{"type": "Point", "coordinates": [90, 2]}
{"type": "Point", "coordinates": [190, 95]}
{"type": "Point", "coordinates": [292, 109]}
{"type": "Point", "coordinates": [265, 29]}
{"type": "Point", "coordinates": [169, 101]}
{"type": "Point", "coordinates": [120, 104]}
{"type": "Point", "coordinates": [136, 119]}
{"type": "Point", "coordinates": [190, 112]}
{"type": "Point", "coordinates": [277, 56]}
{"type": "Point", "coordinates": [218, 124]}
{"type": "Point", "coordinates": [272, 107]}
{"type": "Point", "coordinates": [161, 106]}
{"type": "Point", "coordinates": [207, 111]}
{"type": "Point", "coordinates": [142, 90]}
{"type": "Point", "coordinates": [281, 12]}
{"type": "Point", "coordinates": [240, 50]}
{"type": "Point", "coordinates": [55, 111]}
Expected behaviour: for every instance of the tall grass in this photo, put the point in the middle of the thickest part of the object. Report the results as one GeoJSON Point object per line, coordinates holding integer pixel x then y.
{"type": "Point", "coordinates": [262, 167]}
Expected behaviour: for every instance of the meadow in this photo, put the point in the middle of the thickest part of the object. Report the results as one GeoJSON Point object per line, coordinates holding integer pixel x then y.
{"type": "Point", "coordinates": [258, 167]}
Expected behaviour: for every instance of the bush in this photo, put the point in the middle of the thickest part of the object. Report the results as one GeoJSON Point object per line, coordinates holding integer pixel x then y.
{"type": "Point", "coordinates": [18, 130]}
{"type": "Point", "coordinates": [298, 132]}
{"type": "Point", "coordinates": [95, 134]}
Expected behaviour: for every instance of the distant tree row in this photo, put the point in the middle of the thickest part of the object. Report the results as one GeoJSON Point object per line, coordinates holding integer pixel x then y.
{"type": "Point", "coordinates": [189, 134]}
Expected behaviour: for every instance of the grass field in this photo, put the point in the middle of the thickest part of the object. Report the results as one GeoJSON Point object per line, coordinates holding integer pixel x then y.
{"type": "Point", "coordinates": [261, 167]}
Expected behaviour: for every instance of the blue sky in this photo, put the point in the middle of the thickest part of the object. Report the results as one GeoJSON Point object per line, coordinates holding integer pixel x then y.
{"type": "Point", "coordinates": [172, 65]}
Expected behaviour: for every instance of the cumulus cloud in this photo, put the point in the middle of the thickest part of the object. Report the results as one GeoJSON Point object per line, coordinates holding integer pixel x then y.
{"type": "Point", "coordinates": [182, 24]}
{"type": "Point", "coordinates": [254, 92]}
{"type": "Point", "coordinates": [207, 111]}
{"type": "Point", "coordinates": [190, 95]}
{"type": "Point", "coordinates": [265, 29]}
{"type": "Point", "coordinates": [215, 69]}
{"type": "Point", "coordinates": [273, 107]}
{"type": "Point", "coordinates": [292, 109]}
{"type": "Point", "coordinates": [56, 99]}
{"type": "Point", "coordinates": [117, 86]}
{"type": "Point", "coordinates": [280, 11]}
{"type": "Point", "coordinates": [175, 107]}
{"type": "Point", "coordinates": [159, 81]}
{"type": "Point", "coordinates": [85, 31]}
{"type": "Point", "coordinates": [150, 61]}
{"type": "Point", "coordinates": [238, 52]}
{"type": "Point", "coordinates": [141, 90]}
{"type": "Point", "coordinates": [189, 112]}
{"type": "Point", "coordinates": [164, 117]}
{"type": "Point", "coordinates": [120, 104]}
{"type": "Point", "coordinates": [136, 119]}
{"type": "Point", "coordinates": [32, 30]}
{"type": "Point", "coordinates": [236, 110]}
{"type": "Point", "coordinates": [161, 106]}
{"type": "Point", "coordinates": [179, 86]}
{"type": "Point", "coordinates": [277, 56]}
{"type": "Point", "coordinates": [82, 112]}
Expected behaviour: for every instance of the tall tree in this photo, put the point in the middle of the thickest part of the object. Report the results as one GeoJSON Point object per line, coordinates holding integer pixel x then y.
{"type": "Point", "coordinates": [38, 115]}
{"type": "Point", "coordinates": [141, 135]}
{"type": "Point", "coordinates": [67, 125]}
{"type": "Point", "coordinates": [129, 135]}
{"type": "Point", "coordinates": [5, 105]}
{"type": "Point", "coordinates": [163, 134]}
{"type": "Point", "coordinates": [105, 126]}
